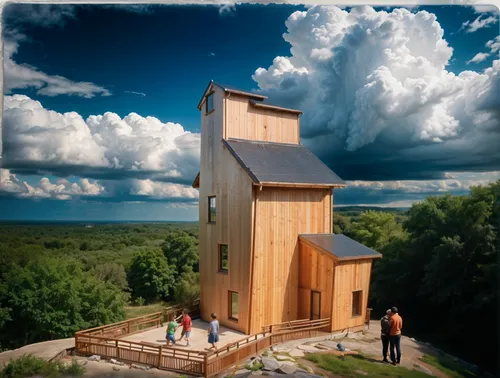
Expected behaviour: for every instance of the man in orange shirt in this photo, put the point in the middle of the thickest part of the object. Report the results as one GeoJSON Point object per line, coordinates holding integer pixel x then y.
{"type": "Point", "coordinates": [396, 324]}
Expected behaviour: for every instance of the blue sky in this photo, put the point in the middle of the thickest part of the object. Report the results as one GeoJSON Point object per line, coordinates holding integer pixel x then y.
{"type": "Point", "coordinates": [155, 61]}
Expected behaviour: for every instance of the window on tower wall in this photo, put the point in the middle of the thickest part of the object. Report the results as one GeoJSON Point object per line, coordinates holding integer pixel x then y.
{"type": "Point", "coordinates": [211, 209]}
{"type": "Point", "coordinates": [223, 258]}
{"type": "Point", "coordinates": [233, 305]}
{"type": "Point", "coordinates": [209, 103]}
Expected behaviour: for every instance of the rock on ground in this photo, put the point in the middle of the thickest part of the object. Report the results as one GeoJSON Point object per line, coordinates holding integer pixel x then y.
{"type": "Point", "coordinates": [287, 368]}
{"type": "Point", "coordinates": [281, 349]}
{"type": "Point", "coordinates": [270, 364]}
{"type": "Point", "coordinates": [242, 373]}
{"type": "Point", "coordinates": [297, 353]}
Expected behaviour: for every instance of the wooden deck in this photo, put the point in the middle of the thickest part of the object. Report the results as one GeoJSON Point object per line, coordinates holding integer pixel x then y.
{"type": "Point", "coordinates": [198, 339]}
{"type": "Point", "coordinates": [141, 340]}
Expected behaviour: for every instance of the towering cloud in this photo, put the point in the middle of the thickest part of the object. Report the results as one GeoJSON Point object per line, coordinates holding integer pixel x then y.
{"type": "Point", "coordinates": [374, 85]}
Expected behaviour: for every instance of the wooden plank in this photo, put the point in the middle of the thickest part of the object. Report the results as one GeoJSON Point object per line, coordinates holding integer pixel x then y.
{"type": "Point", "coordinates": [350, 276]}
{"type": "Point", "coordinates": [282, 215]}
{"type": "Point", "coordinates": [221, 176]}
{"type": "Point", "coordinates": [246, 121]}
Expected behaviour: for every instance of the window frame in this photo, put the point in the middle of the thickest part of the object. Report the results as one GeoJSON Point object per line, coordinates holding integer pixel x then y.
{"type": "Point", "coordinates": [312, 305]}
{"type": "Point", "coordinates": [230, 306]}
{"type": "Point", "coordinates": [360, 303]}
{"type": "Point", "coordinates": [210, 220]}
{"type": "Point", "coordinates": [220, 268]}
{"type": "Point", "coordinates": [209, 95]}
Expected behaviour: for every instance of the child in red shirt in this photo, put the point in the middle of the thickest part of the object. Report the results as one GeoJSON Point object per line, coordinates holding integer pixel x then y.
{"type": "Point", "coordinates": [186, 326]}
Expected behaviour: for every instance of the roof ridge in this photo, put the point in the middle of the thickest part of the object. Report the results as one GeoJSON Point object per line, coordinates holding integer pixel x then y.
{"type": "Point", "coordinates": [253, 141]}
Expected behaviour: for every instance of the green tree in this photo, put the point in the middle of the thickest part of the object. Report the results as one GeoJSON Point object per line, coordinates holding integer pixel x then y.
{"type": "Point", "coordinates": [376, 229]}
{"type": "Point", "coordinates": [187, 289]}
{"type": "Point", "coordinates": [149, 275]}
{"type": "Point", "coordinates": [341, 224]}
{"type": "Point", "coordinates": [447, 264]}
{"type": "Point", "coordinates": [181, 251]}
{"type": "Point", "coordinates": [113, 273]}
{"type": "Point", "coordinates": [51, 298]}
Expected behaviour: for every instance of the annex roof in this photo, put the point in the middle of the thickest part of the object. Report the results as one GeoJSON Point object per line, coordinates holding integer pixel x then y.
{"type": "Point", "coordinates": [340, 246]}
{"type": "Point", "coordinates": [282, 164]}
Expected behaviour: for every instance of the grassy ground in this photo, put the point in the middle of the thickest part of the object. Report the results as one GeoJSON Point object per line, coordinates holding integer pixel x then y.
{"type": "Point", "coordinates": [135, 311]}
{"type": "Point", "coordinates": [361, 366]}
{"type": "Point", "coordinates": [451, 368]}
{"type": "Point", "coordinates": [31, 366]}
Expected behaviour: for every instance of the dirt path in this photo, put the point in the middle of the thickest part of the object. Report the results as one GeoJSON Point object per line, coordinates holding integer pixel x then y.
{"type": "Point", "coordinates": [412, 351]}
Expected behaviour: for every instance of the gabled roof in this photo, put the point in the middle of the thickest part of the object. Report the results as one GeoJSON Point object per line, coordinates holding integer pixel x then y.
{"type": "Point", "coordinates": [340, 247]}
{"type": "Point", "coordinates": [267, 105]}
{"type": "Point", "coordinates": [229, 89]}
{"type": "Point", "coordinates": [196, 182]}
{"type": "Point", "coordinates": [281, 164]}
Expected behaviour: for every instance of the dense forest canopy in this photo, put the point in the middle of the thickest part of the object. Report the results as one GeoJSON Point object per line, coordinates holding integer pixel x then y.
{"type": "Point", "coordinates": [439, 267]}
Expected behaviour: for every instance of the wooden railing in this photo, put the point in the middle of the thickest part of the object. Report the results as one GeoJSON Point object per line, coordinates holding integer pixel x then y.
{"type": "Point", "coordinates": [294, 324]}
{"type": "Point", "coordinates": [106, 342]}
{"type": "Point", "coordinates": [126, 327]}
{"type": "Point", "coordinates": [232, 353]}
{"type": "Point", "coordinates": [368, 317]}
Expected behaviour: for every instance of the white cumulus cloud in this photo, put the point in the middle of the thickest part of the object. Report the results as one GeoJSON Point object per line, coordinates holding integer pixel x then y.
{"type": "Point", "coordinates": [37, 139]}
{"type": "Point", "coordinates": [364, 76]}
{"type": "Point", "coordinates": [62, 189]}
{"type": "Point", "coordinates": [494, 45]}
{"type": "Point", "coordinates": [402, 193]}
{"type": "Point", "coordinates": [478, 58]}
{"type": "Point", "coordinates": [479, 23]}
{"type": "Point", "coordinates": [22, 76]}
{"type": "Point", "coordinates": [159, 190]}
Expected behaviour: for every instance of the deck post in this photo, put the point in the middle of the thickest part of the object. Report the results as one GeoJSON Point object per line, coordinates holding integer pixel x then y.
{"type": "Point", "coordinates": [205, 366]}
{"type": "Point", "coordinates": [160, 350]}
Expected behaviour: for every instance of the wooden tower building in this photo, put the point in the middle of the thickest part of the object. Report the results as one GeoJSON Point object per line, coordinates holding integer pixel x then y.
{"type": "Point", "coordinates": [267, 251]}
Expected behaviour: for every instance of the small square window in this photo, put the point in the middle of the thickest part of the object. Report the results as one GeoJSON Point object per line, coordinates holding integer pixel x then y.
{"type": "Point", "coordinates": [233, 305]}
{"type": "Point", "coordinates": [211, 209]}
{"type": "Point", "coordinates": [357, 297]}
{"type": "Point", "coordinates": [209, 103]}
{"type": "Point", "coordinates": [223, 258]}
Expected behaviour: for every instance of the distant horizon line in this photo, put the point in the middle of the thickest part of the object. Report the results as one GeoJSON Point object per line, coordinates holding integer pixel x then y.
{"type": "Point", "coordinates": [95, 221]}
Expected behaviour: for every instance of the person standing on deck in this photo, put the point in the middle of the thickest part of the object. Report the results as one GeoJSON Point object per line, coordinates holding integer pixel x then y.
{"type": "Point", "coordinates": [396, 323]}
{"type": "Point", "coordinates": [186, 326]}
{"type": "Point", "coordinates": [213, 331]}
{"type": "Point", "coordinates": [171, 327]}
{"type": "Point", "coordinates": [385, 326]}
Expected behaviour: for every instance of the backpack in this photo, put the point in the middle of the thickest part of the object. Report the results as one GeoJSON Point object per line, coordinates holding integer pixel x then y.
{"type": "Point", "coordinates": [385, 325]}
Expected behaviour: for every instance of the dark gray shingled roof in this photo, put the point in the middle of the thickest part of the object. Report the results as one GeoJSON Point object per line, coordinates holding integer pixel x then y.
{"type": "Point", "coordinates": [342, 247]}
{"type": "Point", "coordinates": [234, 89]}
{"type": "Point", "coordinates": [281, 163]}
